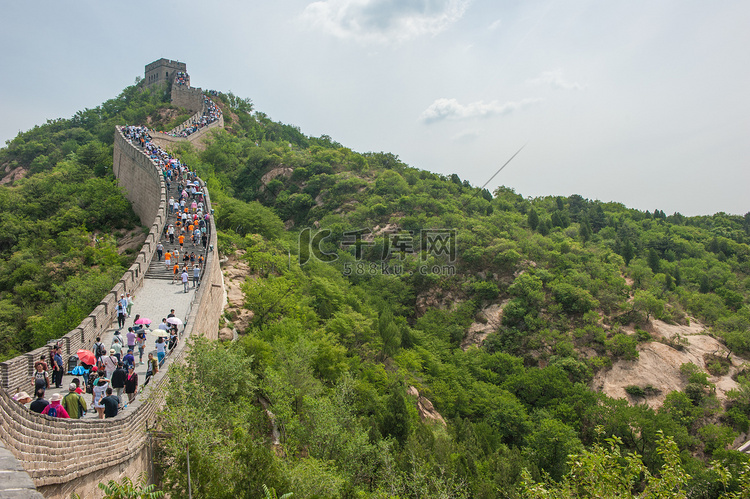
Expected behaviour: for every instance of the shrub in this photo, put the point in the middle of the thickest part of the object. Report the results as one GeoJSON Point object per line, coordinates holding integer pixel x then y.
{"type": "Point", "coordinates": [694, 374]}
{"type": "Point", "coordinates": [635, 391]}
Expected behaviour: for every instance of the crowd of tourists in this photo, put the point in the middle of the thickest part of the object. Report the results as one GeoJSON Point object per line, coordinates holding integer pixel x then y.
{"type": "Point", "coordinates": [182, 78]}
{"type": "Point", "coordinates": [112, 372]}
{"type": "Point", "coordinates": [211, 114]}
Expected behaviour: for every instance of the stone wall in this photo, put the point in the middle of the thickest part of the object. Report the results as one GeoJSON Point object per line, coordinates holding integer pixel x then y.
{"type": "Point", "coordinates": [208, 303]}
{"type": "Point", "coordinates": [145, 189]}
{"type": "Point", "coordinates": [144, 185]}
{"type": "Point", "coordinates": [63, 456]}
{"type": "Point", "coordinates": [187, 97]}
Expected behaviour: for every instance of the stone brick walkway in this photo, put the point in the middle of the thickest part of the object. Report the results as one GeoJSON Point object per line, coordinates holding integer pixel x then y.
{"type": "Point", "coordinates": [154, 300]}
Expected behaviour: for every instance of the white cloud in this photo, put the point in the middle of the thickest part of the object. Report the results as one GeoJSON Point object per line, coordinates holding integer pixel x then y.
{"type": "Point", "coordinates": [451, 109]}
{"type": "Point", "coordinates": [383, 21]}
{"type": "Point", "coordinates": [496, 24]}
{"type": "Point", "coordinates": [556, 80]}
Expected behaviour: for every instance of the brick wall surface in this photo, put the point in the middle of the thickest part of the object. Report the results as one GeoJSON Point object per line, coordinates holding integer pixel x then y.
{"type": "Point", "coordinates": [63, 456]}
{"type": "Point", "coordinates": [191, 98]}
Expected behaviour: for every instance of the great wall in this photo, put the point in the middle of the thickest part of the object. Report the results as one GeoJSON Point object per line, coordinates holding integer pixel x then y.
{"type": "Point", "coordinates": [42, 456]}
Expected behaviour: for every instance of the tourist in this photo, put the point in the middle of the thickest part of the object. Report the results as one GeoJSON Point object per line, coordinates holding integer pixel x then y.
{"type": "Point", "coordinates": [196, 274]}
{"type": "Point", "coordinates": [140, 341]}
{"type": "Point", "coordinates": [98, 394]}
{"type": "Point", "coordinates": [118, 378]}
{"type": "Point", "coordinates": [129, 305]}
{"type": "Point", "coordinates": [121, 311]}
{"type": "Point", "coordinates": [117, 347]}
{"type": "Point", "coordinates": [40, 403]}
{"type": "Point", "coordinates": [129, 359]}
{"type": "Point", "coordinates": [131, 384]}
{"type": "Point", "coordinates": [40, 379]}
{"type": "Point", "coordinates": [168, 259]}
{"type": "Point", "coordinates": [131, 337]}
{"type": "Point", "coordinates": [22, 398]}
{"type": "Point", "coordinates": [55, 409]}
{"type": "Point", "coordinates": [43, 361]}
{"type": "Point", "coordinates": [74, 403]}
{"type": "Point", "coordinates": [159, 250]}
{"type": "Point", "coordinates": [99, 349]}
{"type": "Point", "coordinates": [110, 363]}
{"type": "Point", "coordinates": [57, 367]}
{"type": "Point", "coordinates": [151, 369]}
{"type": "Point", "coordinates": [185, 279]}
{"type": "Point", "coordinates": [91, 381]}
{"type": "Point", "coordinates": [79, 390]}
{"type": "Point", "coordinates": [160, 349]}
{"type": "Point", "coordinates": [111, 404]}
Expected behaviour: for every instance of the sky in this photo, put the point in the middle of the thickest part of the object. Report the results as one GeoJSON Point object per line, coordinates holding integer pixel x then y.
{"type": "Point", "coordinates": [643, 103]}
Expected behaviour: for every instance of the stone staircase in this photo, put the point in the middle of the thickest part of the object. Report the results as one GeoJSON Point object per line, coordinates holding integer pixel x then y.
{"type": "Point", "coordinates": [158, 269]}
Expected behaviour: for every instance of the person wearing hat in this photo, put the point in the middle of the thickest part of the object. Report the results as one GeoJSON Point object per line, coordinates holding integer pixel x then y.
{"type": "Point", "coordinates": [74, 403]}
{"type": "Point", "coordinates": [22, 398]}
{"type": "Point", "coordinates": [131, 383]}
{"type": "Point", "coordinates": [110, 363]}
{"type": "Point", "coordinates": [55, 408]}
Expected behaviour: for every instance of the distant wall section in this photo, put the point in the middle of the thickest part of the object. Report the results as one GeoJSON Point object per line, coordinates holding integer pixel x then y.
{"type": "Point", "coordinates": [188, 97]}
{"type": "Point", "coordinates": [142, 182]}
{"type": "Point", "coordinates": [162, 71]}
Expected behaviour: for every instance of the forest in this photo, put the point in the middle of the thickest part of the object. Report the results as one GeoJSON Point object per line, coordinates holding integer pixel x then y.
{"type": "Point", "coordinates": [365, 275]}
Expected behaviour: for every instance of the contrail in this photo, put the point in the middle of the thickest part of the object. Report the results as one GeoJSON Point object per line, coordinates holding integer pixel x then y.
{"type": "Point", "coordinates": [501, 168]}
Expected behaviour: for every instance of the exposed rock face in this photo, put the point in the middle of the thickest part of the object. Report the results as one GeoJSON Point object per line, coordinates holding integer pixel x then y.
{"type": "Point", "coordinates": [435, 298]}
{"type": "Point", "coordinates": [226, 334]}
{"type": "Point", "coordinates": [658, 364]}
{"type": "Point", "coordinates": [236, 271]}
{"type": "Point", "coordinates": [12, 175]}
{"type": "Point", "coordinates": [425, 407]}
{"type": "Point", "coordinates": [285, 172]}
{"type": "Point", "coordinates": [492, 318]}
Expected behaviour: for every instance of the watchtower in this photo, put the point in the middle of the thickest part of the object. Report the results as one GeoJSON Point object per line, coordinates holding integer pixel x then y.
{"type": "Point", "coordinates": [163, 71]}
